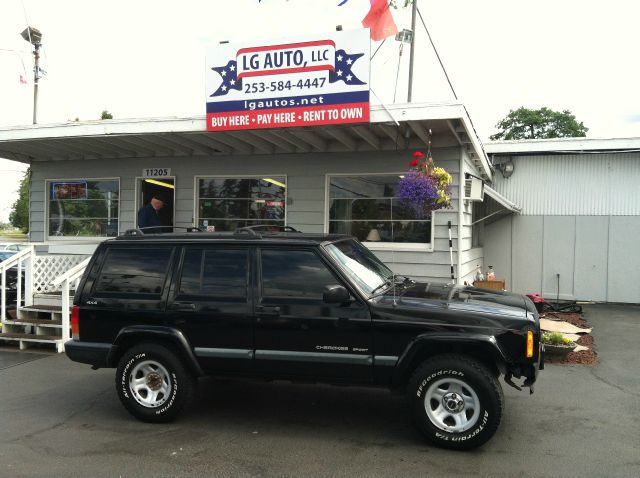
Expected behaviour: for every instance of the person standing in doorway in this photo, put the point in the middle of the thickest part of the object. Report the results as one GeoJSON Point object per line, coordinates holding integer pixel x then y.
{"type": "Point", "coordinates": [149, 215]}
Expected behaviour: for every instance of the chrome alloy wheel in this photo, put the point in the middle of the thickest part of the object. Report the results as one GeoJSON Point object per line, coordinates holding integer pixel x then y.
{"type": "Point", "coordinates": [452, 405]}
{"type": "Point", "coordinates": [150, 384]}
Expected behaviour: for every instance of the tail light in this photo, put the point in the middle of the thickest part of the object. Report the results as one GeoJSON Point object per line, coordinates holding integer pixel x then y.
{"type": "Point", "coordinates": [75, 322]}
{"type": "Point", "coordinates": [529, 344]}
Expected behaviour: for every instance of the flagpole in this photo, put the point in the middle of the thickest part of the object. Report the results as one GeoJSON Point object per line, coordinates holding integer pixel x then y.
{"type": "Point", "coordinates": [36, 54]}
{"type": "Point", "coordinates": [412, 50]}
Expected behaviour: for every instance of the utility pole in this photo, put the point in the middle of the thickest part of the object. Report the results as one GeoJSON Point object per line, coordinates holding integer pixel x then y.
{"type": "Point", "coordinates": [412, 50]}
{"type": "Point", "coordinates": [33, 36]}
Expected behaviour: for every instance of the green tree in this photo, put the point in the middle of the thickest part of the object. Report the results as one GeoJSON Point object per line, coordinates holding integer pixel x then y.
{"type": "Point", "coordinates": [524, 123]}
{"type": "Point", "coordinates": [106, 115]}
{"type": "Point", "coordinates": [19, 216]}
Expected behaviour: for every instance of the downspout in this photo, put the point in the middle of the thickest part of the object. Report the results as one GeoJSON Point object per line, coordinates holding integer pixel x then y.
{"type": "Point", "coordinates": [460, 216]}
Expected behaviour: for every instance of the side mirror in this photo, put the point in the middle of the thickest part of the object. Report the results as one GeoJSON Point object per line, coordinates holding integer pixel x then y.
{"type": "Point", "coordinates": [336, 294]}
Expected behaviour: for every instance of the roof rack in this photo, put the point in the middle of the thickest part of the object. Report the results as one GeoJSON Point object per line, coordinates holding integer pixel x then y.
{"type": "Point", "coordinates": [140, 231]}
{"type": "Point", "coordinates": [254, 231]}
{"type": "Point", "coordinates": [268, 228]}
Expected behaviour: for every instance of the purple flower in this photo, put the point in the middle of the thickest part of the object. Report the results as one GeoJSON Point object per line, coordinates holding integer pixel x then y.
{"type": "Point", "coordinates": [419, 193]}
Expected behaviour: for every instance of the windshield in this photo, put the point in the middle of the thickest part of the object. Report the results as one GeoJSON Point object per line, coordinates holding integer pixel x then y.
{"type": "Point", "coordinates": [5, 255]}
{"type": "Point", "coordinates": [364, 268]}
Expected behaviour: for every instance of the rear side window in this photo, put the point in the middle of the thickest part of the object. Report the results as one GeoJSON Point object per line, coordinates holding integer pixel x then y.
{"type": "Point", "coordinates": [134, 271]}
{"type": "Point", "coordinates": [214, 273]}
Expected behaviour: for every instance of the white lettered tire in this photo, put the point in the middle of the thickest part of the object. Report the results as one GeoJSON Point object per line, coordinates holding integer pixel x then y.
{"type": "Point", "coordinates": [457, 402]}
{"type": "Point", "coordinates": [153, 383]}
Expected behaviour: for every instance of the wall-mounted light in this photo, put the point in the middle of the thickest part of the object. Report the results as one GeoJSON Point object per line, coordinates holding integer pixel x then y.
{"type": "Point", "coordinates": [507, 169]}
{"type": "Point", "coordinates": [504, 164]}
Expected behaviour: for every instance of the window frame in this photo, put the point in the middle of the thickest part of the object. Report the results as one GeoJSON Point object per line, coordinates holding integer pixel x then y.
{"type": "Point", "coordinates": [379, 246]}
{"type": "Point", "coordinates": [196, 190]}
{"type": "Point", "coordinates": [51, 238]}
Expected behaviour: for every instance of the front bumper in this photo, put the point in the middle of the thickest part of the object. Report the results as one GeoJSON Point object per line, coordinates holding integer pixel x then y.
{"type": "Point", "coordinates": [93, 353]}
{"type": "Point", "coordinates": [529, 372]}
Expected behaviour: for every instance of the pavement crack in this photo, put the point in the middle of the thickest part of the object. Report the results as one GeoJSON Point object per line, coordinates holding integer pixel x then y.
{"type": "Point", "coordinates": [62, 422]}
{"type": "Point", "coordinates": [606, 382]}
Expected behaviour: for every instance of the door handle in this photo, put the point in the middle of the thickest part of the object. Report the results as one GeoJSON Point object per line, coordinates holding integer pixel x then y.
{"type": "Point", "coordinates": [268, 311]}
{"type": "Point", "coordinates": [184, 306]}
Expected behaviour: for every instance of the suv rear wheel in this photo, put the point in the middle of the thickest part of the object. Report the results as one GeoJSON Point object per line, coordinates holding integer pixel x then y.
{"type": "Point", "coordinates": [153, 383]}
{"type": "Point", "coordinates": [457, 402]}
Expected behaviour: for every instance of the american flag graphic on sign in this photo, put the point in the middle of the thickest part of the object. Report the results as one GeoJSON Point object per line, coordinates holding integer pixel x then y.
{"type": "Point", "coordinates": [229, 77]}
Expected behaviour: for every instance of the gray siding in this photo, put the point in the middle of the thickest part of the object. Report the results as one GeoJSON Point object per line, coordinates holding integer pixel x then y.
{"type": "Point", "coordinates": [577, 185]}
{"type": "Point", "coordinates": [306, 181]}
{"type": "Point", "coordinates": [596, 257]}
{"type": "Point", "coordinates": [580, 219]}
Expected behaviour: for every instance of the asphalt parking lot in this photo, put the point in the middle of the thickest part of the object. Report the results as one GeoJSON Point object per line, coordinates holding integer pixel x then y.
{"type": "Point", "coordinates": [60, 418]}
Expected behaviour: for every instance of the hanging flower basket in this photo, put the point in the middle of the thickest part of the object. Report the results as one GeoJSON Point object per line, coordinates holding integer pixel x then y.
{"type": "Point", "coordinates": [425, 188]}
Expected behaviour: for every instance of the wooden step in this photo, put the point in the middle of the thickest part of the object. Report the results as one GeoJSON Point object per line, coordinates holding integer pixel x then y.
{"type": "Point", "coordinates": [41, 322]}
{"type": "Point", "coordinates": [54, 293]}
{"type": "Point", "coordinates": [42, 308]}
{"type": "Point", "coordinates": [30, 337]}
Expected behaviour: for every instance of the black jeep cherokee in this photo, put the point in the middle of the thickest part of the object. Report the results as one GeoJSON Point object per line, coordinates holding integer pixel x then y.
{"type": "Point", "coordinates": [165, 309]}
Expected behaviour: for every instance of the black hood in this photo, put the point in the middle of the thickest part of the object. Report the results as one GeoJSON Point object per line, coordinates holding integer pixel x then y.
{"type": "Point", "coordinates": [442, 302]}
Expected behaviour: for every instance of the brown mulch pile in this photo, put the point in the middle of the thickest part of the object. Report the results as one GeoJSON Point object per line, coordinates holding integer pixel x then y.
{"type": "Point", "coordinates": [586, 357]}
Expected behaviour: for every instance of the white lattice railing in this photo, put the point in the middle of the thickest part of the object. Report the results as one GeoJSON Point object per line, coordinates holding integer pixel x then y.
{"type": "Point", "coordinates": [46, 269]}
{"type": "Point", "coordinates": [22, 261]}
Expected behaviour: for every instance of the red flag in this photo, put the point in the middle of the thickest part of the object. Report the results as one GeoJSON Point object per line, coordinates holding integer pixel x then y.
{"type": "Point", "coordinates": [380, 20]}
{"type": "Point", "coordinates": [22, 80]}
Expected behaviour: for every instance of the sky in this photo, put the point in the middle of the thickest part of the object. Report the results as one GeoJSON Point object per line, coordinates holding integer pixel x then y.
{"type": "Point", "coordinates": [142, 58]}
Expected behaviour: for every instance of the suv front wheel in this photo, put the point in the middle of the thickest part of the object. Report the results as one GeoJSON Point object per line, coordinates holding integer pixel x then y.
{"type": "Point", "coordinates": [153, 383]}
{"type": "Point", "coordinates": [457, 402]}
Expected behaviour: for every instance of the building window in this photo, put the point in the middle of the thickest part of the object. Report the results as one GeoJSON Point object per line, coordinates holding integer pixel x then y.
{"type": "Point", "coordinates": [225, 204]}
{"type": "Point", "coordinates": [83, 208]}
{"type": "Point", "coordinates": [368, 208]}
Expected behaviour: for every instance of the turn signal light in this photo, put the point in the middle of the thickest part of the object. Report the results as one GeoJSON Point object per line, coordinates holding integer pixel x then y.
{"type": "Point", "coordinates": [75, 322]}
{"type": "Point", "coordinates": [529, 344]}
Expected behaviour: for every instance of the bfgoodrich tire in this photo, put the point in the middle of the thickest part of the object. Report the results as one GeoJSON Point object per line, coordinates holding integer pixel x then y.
{"type": "Point", "coordinates": [457, 402]}
{"type": "Point", "coordinates": [153, 383]}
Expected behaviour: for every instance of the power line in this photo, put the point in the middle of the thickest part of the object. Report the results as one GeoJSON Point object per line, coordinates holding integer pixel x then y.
{"type": "Point", "coordinates": [395, 89]}
{"type": "Point", "coordinates": [17, 53]}
{"type": "Point", "coordinates": [437, 54]}
{"type": "Point", "coordinates": [378, 49]}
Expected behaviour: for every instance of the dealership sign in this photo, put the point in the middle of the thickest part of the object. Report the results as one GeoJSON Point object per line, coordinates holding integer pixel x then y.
{"type": "Point", "coordinates": [300, 82]}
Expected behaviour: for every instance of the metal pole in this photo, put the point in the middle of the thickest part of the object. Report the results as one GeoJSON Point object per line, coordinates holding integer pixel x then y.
{"type": "Point", "coordinates": [412, 50]}
{"type": "Point", "coordinates": [3, 296]}
{"type": "Point", "coordinates": [453, 277]}
{"type": "Point", "coordinates": [36, 54]}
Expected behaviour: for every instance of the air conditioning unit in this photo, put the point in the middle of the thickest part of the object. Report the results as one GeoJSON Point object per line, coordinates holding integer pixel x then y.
{"type": "Point", "coordinates": [473, 189]}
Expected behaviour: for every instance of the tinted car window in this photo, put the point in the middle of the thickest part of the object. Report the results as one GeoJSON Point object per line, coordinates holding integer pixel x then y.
{"type": "Point", "coordinates": [218, 273]}
{"type": "Point", "coordinates": [289, 273]}
{"type": "Point", "coordinates": [134, 271]}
